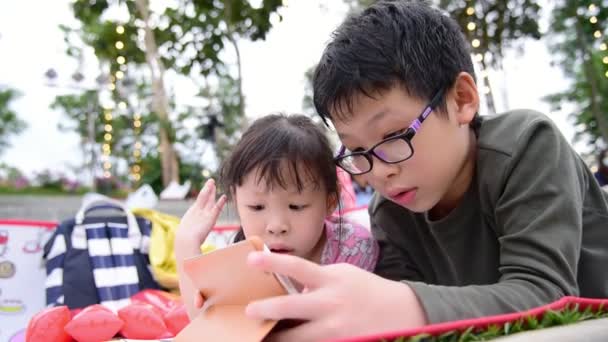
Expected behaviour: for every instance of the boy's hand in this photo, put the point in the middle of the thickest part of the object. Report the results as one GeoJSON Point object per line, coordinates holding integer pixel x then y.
{"type": "Point", "coordinates": [198, 301]}
{"type": "Point", "coordinates": [198, 221]}
{"type": "Point", "coordinates": [341, 300]}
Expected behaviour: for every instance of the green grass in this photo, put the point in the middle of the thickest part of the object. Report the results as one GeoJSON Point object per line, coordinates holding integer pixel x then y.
{"type": "Point", "coordinates": [37, 191]}
{"type": "Point", "coordinates": [569, 315]}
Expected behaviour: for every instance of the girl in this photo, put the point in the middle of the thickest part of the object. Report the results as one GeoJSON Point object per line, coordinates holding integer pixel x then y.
{"type": "Point", "coordinates": [282, 178]}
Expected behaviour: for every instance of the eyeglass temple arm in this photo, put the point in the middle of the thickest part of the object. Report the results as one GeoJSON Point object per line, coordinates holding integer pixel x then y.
{"type": "Point", "coordinates": [340, 151]}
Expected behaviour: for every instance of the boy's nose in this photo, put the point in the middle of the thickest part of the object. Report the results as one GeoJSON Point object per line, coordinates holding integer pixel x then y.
{"type": "Point", "coordinates": [383, 170]}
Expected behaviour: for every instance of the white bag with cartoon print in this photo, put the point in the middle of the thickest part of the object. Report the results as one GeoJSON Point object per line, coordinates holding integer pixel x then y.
{"type": "Point", "coordinates": [22, 275]}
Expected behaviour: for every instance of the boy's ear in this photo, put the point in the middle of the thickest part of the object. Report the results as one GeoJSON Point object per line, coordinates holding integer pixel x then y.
{"type": "Point", "coordinates": [464, 100]}
{"type": "Point", "coordinates": [332, 203]}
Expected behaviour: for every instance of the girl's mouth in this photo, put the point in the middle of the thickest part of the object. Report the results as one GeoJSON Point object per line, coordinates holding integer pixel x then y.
{"type": "Point", "coordinates": [281, 250]}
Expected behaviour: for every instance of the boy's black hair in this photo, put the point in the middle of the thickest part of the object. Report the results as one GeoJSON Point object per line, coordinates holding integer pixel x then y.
{"type": "Point", "coordinates": [392, 43]}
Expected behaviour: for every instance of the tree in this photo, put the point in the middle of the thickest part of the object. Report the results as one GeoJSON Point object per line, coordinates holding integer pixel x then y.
{"type": "Point", "coordinates": [493, 26]}
{"type": "Point", "coordinates": [584, 61]}
{"type": "Point", "coordinates": [84, 115]}
{"type": "Point", "coordinates": [10, 124]}
{"type": "Point", "coordinates": [187, 39]}
{"type": "Point", "coordinates": [496, 25]}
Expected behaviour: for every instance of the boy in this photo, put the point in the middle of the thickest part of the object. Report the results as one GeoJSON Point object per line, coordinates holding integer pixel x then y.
{"type": "Point", "coordinates": [475, 216]}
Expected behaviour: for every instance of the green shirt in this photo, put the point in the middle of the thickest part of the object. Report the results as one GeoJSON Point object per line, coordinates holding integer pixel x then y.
{"type": "Point", "coordinates": [532, 227]}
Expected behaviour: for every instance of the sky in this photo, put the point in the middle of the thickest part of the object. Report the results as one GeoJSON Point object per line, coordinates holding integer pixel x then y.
{"type": "Point", "coordinates": [273, 74]}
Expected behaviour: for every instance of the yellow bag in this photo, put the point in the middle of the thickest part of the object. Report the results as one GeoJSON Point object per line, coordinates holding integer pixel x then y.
{"type": "Point", "coordinates": [161, 254]}
{"type": "Point", "coordinates": [162, 258]}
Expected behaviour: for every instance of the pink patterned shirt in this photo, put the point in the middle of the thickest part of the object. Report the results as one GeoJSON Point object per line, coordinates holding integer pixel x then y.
{"type": "Point", "coordinates": [349, 243]}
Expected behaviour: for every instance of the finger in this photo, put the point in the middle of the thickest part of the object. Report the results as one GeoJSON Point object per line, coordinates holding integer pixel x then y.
{"type": "Point", "coordinates": [303, 271]}
{"type": "Point", "coordinates": [299, 306]}
{"type": "Point", "coordinates": [212, 193]}
{"type": "Point", "coordinates": [309, 331]}
{"type": "Point", "coordinates": [204, 195]}
{"type": "Point", "coordinates": [217, 208]}
{"type": "Point", "coordinates": [198, 301]}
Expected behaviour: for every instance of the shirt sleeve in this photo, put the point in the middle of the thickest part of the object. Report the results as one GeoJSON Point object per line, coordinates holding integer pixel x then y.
{"type": "Point", "coordinates": [538, 216]}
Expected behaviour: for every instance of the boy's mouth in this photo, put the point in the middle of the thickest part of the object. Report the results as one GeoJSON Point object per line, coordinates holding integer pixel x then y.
{"type": "Point", "coordinates": [404, 196]}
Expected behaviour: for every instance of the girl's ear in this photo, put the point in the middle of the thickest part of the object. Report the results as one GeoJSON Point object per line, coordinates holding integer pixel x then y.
{"type": "Point", "coordinates": [332, 203]}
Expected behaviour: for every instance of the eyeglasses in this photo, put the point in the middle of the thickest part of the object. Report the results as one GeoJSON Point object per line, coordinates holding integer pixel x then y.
{"type": "Point", "coordinates": [391, 150]}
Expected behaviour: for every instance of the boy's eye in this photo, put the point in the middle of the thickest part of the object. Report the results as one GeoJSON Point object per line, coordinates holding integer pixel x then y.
{"type": "Point", "coordinates": [256, 207]}
{"type": "Point", "coordinates": [298, 207]}
{"type": "Point", "coordinates": [390, 135]}
{"type": "Point", "coordinates": [384, 137]}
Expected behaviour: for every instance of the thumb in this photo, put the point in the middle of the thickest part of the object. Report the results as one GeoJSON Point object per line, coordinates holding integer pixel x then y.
{"type": "Point", "coordinates": [198, 300]}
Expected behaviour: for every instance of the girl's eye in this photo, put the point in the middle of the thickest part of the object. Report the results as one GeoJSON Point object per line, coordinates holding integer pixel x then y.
{"type": "Point", "coordinates": [257, 207]}
{"type": "Point", "coordinates": [297, 207]}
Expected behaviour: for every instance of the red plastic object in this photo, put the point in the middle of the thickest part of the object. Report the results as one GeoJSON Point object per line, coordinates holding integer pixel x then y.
{"type": "Point", "coordinates": [94, 324]}
{"type": "Point", "coordinates": [142, 321]}
{"type": "Point", "coordinates": [177, 319]}
{"type": "Point", "coordinates": [48, 325]}
{"type": "Point", "coordinates": [163, 301]}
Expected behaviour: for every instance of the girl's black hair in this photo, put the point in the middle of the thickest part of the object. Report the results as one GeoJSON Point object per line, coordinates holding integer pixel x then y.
{"type": "Point", "coordinates": [278, 142]}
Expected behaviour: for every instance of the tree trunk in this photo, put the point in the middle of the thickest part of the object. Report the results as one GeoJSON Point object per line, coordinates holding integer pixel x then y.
{"type": "Point", "coordinates": [490, 94]}
{"type": "Point", "coordinates": [228, 15]}
{"type": "Point", "coordinates": [239, 80]}
{"type": "Point", "coordinates": [160, 104]}
{"type": "Point", "coordinates": [590, 73]}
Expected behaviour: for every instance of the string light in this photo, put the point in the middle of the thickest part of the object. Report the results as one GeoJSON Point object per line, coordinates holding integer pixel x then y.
{"type": "Point", "coordinates": [478, 56]}
{"type": "Point", "coordinates": [136, 168]}
{"type": "Point", "coordinates": [106, 147]}
{"type": "Point", "coordinates": [119, 75]}
{"type": "Point", "coordinates": [597, 34]}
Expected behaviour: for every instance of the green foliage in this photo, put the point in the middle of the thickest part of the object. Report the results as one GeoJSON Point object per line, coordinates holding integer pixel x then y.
{"type": "Point", "coordinates": [206, 26]}
{"type": "Point", "coordinates": [10, 123]}
{"type": "Point", "coordinates": [191, 37]}
{"type": "Point", "coordinates": [499, 24]}
{"type": "Point", "coordinates": [577, 52]}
